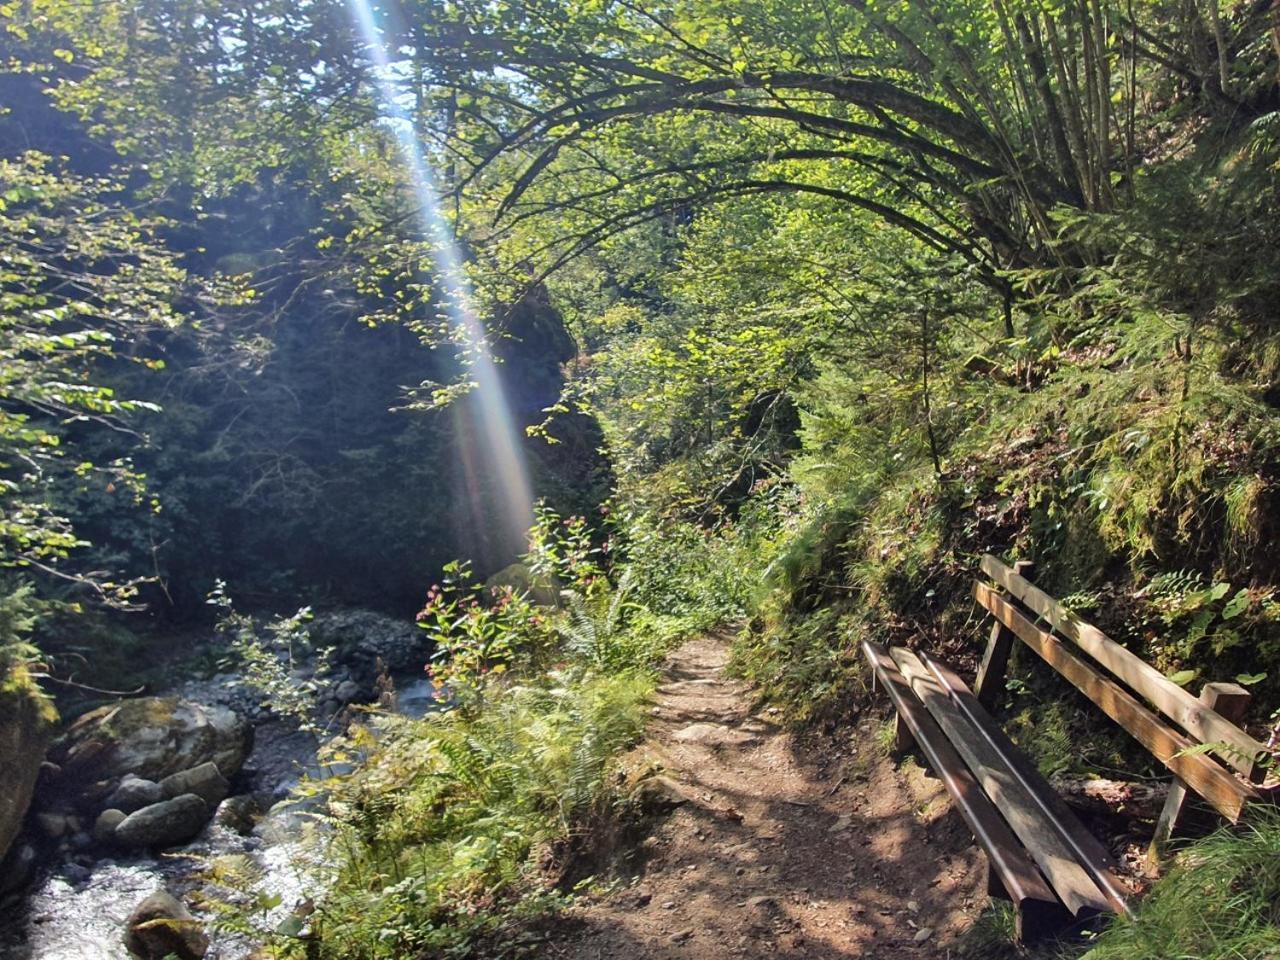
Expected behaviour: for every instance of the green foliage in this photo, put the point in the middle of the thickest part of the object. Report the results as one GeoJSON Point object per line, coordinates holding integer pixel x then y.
{"type": "Point", "coordinates": [19, 612]}
{"type": "Point", "coordinates": [437, 832]}
{"type": "Point", "coordinates": [266, 663]}
{"type": "Point", "coordinates": [84, 278]}
{"type": "Point", "coordinates": [474, 634]}
{"type": "Point", "coordinates": [1217, 903]}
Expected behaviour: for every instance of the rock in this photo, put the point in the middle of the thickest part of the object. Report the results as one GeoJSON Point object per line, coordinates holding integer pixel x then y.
{"type": "Point", "coordinates": [205, 781]}
{"type": "Point", "coordinates": [658, 795]}
{"type": "Point", "coordinates": [52, 825]}
{"type": "Point", "coordinates": [151, 738]}
{"type": "Point", "coordinates": [17, 868]}
{"type": "Point", "coordinates": [713, 735]}
{"type": "Point", "coordinates": [163, 824]}
{"type": "Point", "coordinates": [346, 691]}
{"type": "Point", "coordinates": [104, 828]}
{"type": "Point", "coordinates": [923, 934]}
{"type": "Point", "coordinates": [362, 638]}
{"type": "Point", "coordinates": [239, 813]}
{"type": "Point", "coordinates": [26, 726]}
{"type": "Point", "coordinates": [134, 793]}
{"type": "Point", "coordinates": [160, 926]}
{"type": "Point", "coordinates": [521, 579]}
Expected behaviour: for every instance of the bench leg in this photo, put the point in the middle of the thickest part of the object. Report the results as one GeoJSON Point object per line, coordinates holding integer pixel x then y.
{"type": "Point", "coordinates": [1231, 701]}
{"type": "Point", "coordinates": [902, 739]}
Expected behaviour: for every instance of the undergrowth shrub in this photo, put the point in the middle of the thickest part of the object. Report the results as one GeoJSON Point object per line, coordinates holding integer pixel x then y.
{"type": "Point", "coordinates": [438, 827]}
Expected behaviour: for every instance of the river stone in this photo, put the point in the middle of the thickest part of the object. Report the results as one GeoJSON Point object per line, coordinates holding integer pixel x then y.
{"type": "Point", "coordinates": [346, 691]}
{"type": "Point", "coordinates": [163, 824]}
{"type": "Point", "coordinates": [104, 828]}
{"type": "Point", "coordinates": [151, 738]}
{"type": "Point", "coordinates": [239, 813]}
{"type": "Point", "coordinates": [134, 793]}
{"type": "Point", "coordinates": [160, 926]}
{"type": "Point", "coordinates": [205, 781]}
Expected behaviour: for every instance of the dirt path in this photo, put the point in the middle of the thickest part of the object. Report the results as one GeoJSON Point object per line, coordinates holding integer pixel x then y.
{"type": "Point", "coordinates": [776, 848]}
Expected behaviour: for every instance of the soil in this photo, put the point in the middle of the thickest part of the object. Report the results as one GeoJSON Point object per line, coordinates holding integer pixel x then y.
{"type": "Point", "coordinates": [776, 845]}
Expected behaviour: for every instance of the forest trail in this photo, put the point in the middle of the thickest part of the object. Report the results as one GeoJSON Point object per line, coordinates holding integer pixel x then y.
{"type": "Point", "coordinates": [775, 845]}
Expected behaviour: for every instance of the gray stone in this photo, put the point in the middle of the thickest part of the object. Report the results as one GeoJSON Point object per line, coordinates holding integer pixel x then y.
{"type": "Point", "coordinates": [134, 793]}
{"type": "Point", "coordinates": [347, 691]}
{"type": "Point", "coordinates": [160, 926]}
{"type": "Point", "coordinates": [163, 824]}
{"type": "Point", "coordinates": [205, 781]}
{"type": "Point", "coordinates": [52, 825]}
{"type": "Point", "coordinates": [104, 828]}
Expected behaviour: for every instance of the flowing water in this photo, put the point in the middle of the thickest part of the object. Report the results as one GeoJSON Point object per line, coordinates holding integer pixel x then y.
{"type": "Point", "coordinates": [77, 911]}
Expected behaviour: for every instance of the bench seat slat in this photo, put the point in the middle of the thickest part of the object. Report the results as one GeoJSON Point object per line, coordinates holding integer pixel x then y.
{"type": "Point", "coordinates": [1039, 910]}
{"type": "Point", "coordinates": [1055, 858]}
{"type": "Point", "coordinates": [1091, 854]}
{"type": "Point", "coordinates": [1188, 712]}
{"type": "Point", "coordinates": [1225, 792]}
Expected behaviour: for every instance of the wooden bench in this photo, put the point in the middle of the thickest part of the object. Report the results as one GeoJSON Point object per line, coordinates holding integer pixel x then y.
{"type": "Point", "coordinates": [1041, 857]}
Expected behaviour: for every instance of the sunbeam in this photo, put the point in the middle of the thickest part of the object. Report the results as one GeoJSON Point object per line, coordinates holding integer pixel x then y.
{"type": "Point", "coordinates": [494, 447]}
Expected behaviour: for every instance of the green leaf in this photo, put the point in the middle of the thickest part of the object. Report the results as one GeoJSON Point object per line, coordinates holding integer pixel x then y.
{"type": "Point", "coordinates": [1249, 679]}
{"type": "Point", "coordinates": [1183, 677]}
{"type": "Point", "coordinates": [1237, 604]}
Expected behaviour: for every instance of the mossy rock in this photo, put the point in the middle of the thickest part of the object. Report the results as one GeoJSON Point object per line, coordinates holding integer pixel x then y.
{"type": "Point", "coordinates": [521, 579]}
{"type": "Point", "coordinates": [27, 721]}
{"type": "Point", "coordinates": [152, 738]}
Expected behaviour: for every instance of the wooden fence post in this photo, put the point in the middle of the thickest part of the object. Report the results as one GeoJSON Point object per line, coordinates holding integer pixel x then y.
{"type": "Point", "coordinates": [995, 658]}
{"type": "Point", "coordinates": [1229, 700]}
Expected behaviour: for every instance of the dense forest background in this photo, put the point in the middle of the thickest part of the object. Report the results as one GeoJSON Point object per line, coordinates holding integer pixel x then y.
{"type": "Point", "coordinates": [800, 307]}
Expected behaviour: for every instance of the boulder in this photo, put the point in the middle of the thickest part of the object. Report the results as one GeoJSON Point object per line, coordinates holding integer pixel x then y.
{"type": "Point", "coordinates": [163, 824]}
{"type": "Point", "coordinates": [360, 639]}
{"type": "Point", "coordinates": [160, 926]}
{"type": "Point", "coordinates": [205, 781]}
{"type": "Point", "coordinates": [134, 793]}
{"type": "Point", "coordinates": [26, 726]}
{"type": "Point", "coordinates": [346, 691]}
{"type": "Point", "coordinates": [104, 828]}
{"type": "Point", "coordinates": [151, 738]}
{"type": "Point", "coordinates": [518, 577]}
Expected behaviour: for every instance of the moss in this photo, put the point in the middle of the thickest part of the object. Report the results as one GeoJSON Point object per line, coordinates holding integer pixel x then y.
{"type": "Point", "coordinates": [27, 720]}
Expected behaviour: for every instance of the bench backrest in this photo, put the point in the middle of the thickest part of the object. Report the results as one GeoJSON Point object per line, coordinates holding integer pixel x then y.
{"type": "Point", "coordinates": [1196, 742]}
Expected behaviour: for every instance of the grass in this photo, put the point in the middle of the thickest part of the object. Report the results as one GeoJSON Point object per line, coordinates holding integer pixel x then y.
{"type": "Point", "coordinates": [1221, 901]}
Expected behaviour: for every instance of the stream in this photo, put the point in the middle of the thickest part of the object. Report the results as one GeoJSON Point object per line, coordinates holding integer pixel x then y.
{"type": "Point", "coordinates": [78, 905]}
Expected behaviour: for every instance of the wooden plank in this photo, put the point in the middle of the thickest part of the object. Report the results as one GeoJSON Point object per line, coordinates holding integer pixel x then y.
{"type": "Point", "coordinates": [1197, 719]}
{"type": "Point", "coordinates": [1039, 911]}
{"type": "Point", "coordinates": [1227, 794]}
{"type": "Point", "coordinates": [1055, 858]}
{"type": "Point", "coordinates": [1229, 699]}
{"type": "Point", "coordinates": [1091, 854]}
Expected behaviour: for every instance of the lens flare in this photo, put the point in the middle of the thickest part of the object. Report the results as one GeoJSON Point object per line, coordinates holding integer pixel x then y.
{"type": "Point", "coordinates": [490, 446]}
